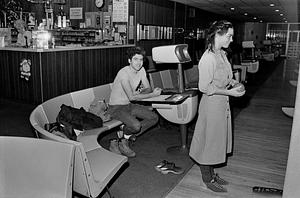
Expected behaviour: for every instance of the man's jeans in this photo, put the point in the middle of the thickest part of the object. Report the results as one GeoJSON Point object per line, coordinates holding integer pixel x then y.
{"type": "Point", "coordinates": [136, 118]}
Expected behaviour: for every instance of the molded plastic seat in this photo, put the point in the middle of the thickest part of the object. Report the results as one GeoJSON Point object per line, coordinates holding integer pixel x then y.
{"type": "Point", "coordinates": [155, 80]}
{"type": "Point", "coordinates": [94, 166]}
{"type": "Point", "coordinates": [243, 69]}
{"type": "Point", "coordinates": [252, 67]}
{"type": "Point", "coordinates": [169, 79]}
{"type": "Point", "coordinates": [293, 83]}
{"type": "Point", "coordinates": [289, 111]}
{"type": "Point", "coordinates": [35, 168]}
{"type": "Point", "coordinates": [191, 76]}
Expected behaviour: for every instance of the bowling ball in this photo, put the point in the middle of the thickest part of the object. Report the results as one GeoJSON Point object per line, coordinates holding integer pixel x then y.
{"type": "Point", "coordinates": [242, 87]}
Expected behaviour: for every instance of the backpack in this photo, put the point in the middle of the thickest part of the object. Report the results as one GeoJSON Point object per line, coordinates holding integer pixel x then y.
{"type": "Point", "coordinates": [78, 118]}
{"type": "Point", "coordinates": [70, 118]}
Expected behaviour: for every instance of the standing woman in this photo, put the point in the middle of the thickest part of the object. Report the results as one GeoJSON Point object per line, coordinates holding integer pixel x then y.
{"type": "Point", "coordinates": [212, 138]}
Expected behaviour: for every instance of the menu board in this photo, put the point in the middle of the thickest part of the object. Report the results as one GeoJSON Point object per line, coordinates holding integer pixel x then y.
{"type": "Point", "coordinates": [120, 11]}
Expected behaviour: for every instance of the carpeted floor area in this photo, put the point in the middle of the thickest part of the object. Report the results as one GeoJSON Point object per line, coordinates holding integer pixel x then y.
{"type": "Point", "coordinates": [140, 179]}
{"type": "Point", "coordinates": [14, 118]}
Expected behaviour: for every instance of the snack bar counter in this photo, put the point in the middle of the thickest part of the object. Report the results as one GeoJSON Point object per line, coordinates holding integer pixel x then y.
{"type": "Point", "coordinates": [35, 75]}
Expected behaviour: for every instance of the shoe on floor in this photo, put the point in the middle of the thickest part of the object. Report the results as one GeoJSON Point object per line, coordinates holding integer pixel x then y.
{"type": "Point", "coordinates": [169, 167]}
{"type": "Point", "coordinates": [161, 164]}
{"type": "Point", "coordinates": [214, 186]}
{"type": "Point", "coordinates": [114, 146]}
{"type": "Point", "coordinates": [124, 148]}
{"type": "Point", "coordinates": [219, 180]}
{"type": "Point", "coordinates": [267, 190]}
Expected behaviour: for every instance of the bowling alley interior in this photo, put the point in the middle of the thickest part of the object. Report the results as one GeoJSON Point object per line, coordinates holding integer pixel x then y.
{"type": "Point", "coordinates": [149, 98]}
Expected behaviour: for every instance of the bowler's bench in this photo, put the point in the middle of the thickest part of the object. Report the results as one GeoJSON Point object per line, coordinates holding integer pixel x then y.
{"type": "Point", "coordinates": [94, 166]}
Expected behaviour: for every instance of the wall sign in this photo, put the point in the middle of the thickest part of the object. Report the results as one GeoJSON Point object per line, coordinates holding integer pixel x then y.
{"type": "Point", "coordinates": [75, 13]}
{"type": "Point", "coordinates": [120, 11]}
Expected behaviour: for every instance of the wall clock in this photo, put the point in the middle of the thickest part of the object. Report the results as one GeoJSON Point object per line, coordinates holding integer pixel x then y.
{"type": "Point", "coordinates": [99, 3]}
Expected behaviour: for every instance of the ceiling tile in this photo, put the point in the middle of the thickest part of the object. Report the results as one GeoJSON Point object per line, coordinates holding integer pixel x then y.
{"type": "Point", "coordinates": [255, 8]}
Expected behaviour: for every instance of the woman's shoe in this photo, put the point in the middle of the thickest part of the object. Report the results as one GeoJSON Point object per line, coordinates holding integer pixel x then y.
{"type": "Point", "coordinates": [219, 180]}
{"type": "Point", "coordinates": [214, 186]}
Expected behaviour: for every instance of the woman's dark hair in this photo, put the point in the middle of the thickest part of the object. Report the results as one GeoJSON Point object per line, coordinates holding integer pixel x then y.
{"type": "Point", "coordinates": [135, 50]}
{"type": "Point", "coordinates": [217, 27]}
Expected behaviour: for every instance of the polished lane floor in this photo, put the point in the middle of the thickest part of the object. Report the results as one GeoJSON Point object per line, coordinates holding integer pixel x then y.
{"type": "Point", "coordinates": [261, 142]}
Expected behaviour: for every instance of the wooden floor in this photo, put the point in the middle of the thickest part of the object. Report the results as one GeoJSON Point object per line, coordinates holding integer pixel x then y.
{"type": "Point", "coordinates": [261, 141]}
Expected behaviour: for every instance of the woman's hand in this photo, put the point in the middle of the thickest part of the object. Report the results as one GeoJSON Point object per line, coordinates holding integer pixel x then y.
{"type": "Point", "coordinates": [232, 83]}
{"type": "Point", "coordinates": [236, 92]}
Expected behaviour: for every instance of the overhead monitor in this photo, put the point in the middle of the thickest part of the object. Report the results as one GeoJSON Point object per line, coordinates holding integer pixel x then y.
{"type": "Point", "coordinates": [171, 54]}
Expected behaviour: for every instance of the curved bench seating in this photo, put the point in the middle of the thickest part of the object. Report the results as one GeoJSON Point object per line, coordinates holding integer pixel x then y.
{"type": "Point", "coordinates": [94, 166]}
{"type": "Point", "coordinates": [293, 83]}
{"type": "Point", "coordinates": [243, 72]}
{"type": "Point", "coordinates": [252, 67]}
{"type": "Point", "coordinates": [33, 167]}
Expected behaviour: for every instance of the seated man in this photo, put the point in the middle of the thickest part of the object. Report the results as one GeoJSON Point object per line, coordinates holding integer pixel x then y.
{"type": "Point", "coordinates": [131, 84]}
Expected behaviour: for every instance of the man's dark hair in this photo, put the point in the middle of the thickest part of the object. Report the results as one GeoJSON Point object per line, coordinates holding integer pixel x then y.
{"type": "Point", "coordinates": [135, 50]}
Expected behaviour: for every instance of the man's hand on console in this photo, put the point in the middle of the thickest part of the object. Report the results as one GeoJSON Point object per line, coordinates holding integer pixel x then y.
{"type": "Point", "coordinates": [157, 91]}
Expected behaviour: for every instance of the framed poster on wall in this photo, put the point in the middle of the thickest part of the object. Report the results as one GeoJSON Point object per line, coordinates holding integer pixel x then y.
{"type": "Point", "coordinates": [120, 11]}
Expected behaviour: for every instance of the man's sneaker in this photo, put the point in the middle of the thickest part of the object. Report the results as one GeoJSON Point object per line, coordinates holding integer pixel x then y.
{"type": "Point", "coordinates": [131, 137]}
{"type": "Point", "coordinates": [120, 134]}
{"type": "Point", "coordinates": [122, 127]}
{"type": "Point", "coordinates": [170, 168]}
{"type": "Point", "coordinates": [124, 148]}
{"type": "Point", "coordinates": [214, 186]}
{"type": "Point", "coordinates": [114, 146]}
{"type": "Point", "coordinates": [219, 180]}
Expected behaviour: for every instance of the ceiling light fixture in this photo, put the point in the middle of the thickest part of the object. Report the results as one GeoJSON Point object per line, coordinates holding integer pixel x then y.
{"type": "Point", "coordinates": [272, 4]}
{"type": "Point", "coordinates": [232, 9]}
{"type": "Point", "coordinates": [276, 10]}
{"type": "Point", "coordinates": [281, 14]}
{"type": "Point", "coordinates": [245, 13]}
{"type": "Point", "coordinates": [254, 18]}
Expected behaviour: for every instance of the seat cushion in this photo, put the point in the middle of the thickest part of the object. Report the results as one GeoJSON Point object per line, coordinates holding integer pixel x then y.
{"type": "Point", "coordinates": [83, 98]}
{"type": "Point", "coordinates": [112, 124]}
{"type": "Point", "coordinates": [104, 164]}
{"type": "Point", "coordinates": [52, 106]}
